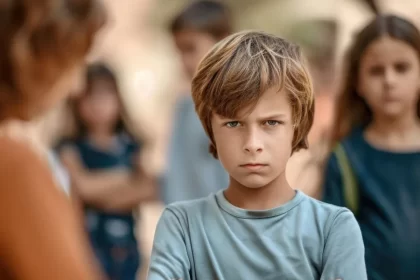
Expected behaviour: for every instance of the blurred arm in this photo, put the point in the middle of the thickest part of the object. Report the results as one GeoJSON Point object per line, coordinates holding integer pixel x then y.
{"type": "Point", "coordinates": [113, 190]}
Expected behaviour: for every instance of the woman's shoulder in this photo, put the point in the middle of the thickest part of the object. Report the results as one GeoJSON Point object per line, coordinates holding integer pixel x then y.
{"type": "Point", "coordinates": [23, 168]}
{"type": "Point", "coordinates": [17, 151]}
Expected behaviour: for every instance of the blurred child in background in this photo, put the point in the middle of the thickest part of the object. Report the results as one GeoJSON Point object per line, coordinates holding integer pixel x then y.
{"type": "Point", "coordinates": [375, 167]}
{"type": "Point", "coordinates": [103, 160]}
{"type": "Point", "coordinates": [191, 171]}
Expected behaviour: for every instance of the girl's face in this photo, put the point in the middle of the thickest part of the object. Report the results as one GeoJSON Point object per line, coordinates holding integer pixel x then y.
{"type": "Point", "coordinates": [100, 109]}
{"type": "Point", "coordinates": [389, 78]}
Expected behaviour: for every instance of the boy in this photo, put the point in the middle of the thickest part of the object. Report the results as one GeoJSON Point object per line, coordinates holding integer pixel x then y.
{"type": "Point", "coordinates": [192, 173]}
{"type": "Point", "coordinates": [254, 97]}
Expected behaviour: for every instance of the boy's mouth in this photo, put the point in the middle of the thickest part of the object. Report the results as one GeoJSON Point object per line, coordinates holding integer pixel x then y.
{"type": "Point", "coordinates": [253, 166]}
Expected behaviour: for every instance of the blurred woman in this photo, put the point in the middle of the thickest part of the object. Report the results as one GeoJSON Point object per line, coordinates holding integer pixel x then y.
{"type": "Point", "coordinates": [42, 48]}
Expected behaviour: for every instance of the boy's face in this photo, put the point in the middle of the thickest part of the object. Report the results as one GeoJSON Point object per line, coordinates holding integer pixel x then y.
{"type": "Point", "coordinates": [255, 147]}
{"type": "Point", "coordinates": [193, 46]}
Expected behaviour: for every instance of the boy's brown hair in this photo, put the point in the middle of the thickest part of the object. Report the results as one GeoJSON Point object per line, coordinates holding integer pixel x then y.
{"type": "Point", "coordinates": [240, 68]}
{"type": "Point", "coordinates": [211, 17]}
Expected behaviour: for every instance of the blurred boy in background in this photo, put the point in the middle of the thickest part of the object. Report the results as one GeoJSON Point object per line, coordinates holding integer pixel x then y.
{"type": "Point", "coordinates": [191, 171]}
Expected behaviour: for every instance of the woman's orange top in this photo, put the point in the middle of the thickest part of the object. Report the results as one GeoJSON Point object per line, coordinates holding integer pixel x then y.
{"type": "Point", "coordinates": [40, 235]}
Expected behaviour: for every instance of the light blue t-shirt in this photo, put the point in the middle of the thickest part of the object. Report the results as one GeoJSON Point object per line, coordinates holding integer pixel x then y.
{"type": "Point", "coordinates": [210, 239]}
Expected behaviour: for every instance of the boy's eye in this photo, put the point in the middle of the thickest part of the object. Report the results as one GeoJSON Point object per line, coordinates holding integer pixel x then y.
{"type": "Point", "coordinates": [272, 123]}
{"type": "Point", "coordinates": [232, 124]}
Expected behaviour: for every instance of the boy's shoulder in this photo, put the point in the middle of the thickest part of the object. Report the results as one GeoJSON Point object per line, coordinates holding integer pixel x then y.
{"type": "Point", "coordinates": [195, 207]}
{"type": "Point", "coordinates": [310, 210]}
{"type": "Point", "coordinates": [324, 215]}
{"type": "Point", "coordinates": [333, 218]}
{"type": "Point", "coordinates": [320, 206]}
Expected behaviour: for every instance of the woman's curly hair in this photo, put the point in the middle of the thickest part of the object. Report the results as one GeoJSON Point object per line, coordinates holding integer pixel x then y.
{"type": "Point", "coordinates": [40, 40]}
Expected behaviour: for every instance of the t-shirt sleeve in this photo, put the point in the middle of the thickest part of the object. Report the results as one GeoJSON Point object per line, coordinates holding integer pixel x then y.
{"type": "Point", "coordinates": [333, 185]}
{"type": "Point", "coordinates": [344, 252]}
{"type": "Point", "coordinates": [169, 258]}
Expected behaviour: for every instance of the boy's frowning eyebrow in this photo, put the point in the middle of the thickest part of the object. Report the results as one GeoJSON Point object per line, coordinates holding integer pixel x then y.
{"type": "Point", "coordinates": [275, 116]}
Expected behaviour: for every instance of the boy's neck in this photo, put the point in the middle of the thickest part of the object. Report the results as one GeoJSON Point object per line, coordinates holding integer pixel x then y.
{"type": "Point", "coordinates": [275, 194]}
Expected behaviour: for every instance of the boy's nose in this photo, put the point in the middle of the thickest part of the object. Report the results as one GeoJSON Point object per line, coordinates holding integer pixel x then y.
{"type": "Point", "coordinates": [253, 143]}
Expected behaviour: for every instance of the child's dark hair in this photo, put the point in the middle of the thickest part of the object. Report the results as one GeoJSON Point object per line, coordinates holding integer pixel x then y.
{"type": "Point", "coordinates": [352, 111]}
{"type": "Point", "coordinates": [94, 73]}
{"type": "Point", "coordinates": [204, 16]}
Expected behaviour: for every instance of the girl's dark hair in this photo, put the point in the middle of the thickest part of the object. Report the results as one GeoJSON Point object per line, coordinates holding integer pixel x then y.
{"type": "Point", "coordinates": [94, 73]}
{"type": "Point", "coordinates": [352, 111]}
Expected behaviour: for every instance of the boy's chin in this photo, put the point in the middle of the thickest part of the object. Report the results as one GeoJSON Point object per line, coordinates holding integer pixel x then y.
{"type": "Point", "coordinates": [255, 183]}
